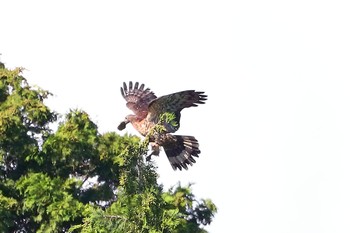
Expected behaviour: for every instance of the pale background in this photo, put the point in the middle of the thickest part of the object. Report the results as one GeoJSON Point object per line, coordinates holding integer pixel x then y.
{"type": "Point", "coordinates": [275, 131]}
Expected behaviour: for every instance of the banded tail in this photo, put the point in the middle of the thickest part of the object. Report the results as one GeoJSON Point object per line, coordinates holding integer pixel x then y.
{"type": "Point", "coordinates": [180, 150]}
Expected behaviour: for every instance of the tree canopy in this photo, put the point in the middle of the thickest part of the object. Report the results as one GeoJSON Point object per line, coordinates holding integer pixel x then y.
{"type": "Point", "coordinates": [75, 179]}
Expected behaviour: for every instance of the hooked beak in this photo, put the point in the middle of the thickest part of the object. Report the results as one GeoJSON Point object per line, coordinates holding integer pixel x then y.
{"type": "Point", "coordinates": [122, 124]}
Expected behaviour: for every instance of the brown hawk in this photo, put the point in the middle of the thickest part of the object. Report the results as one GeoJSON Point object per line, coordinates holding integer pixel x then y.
{"type": "Point", "coordinates": [148, 110]}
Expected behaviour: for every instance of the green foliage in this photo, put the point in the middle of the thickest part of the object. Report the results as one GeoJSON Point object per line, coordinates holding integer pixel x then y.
{"type": "Point", "coordinates": [24, 122]}
{"type": "Point", "coordinates": [49, 201]}
{"type": "Point", "coordinates": [166, 120]}
{"type": "Point", "coordinates": [73, 148]}
{"type": "Point", "coordinates": [78, 180]}
{"type": "Point", "coordinates": [8, 206]}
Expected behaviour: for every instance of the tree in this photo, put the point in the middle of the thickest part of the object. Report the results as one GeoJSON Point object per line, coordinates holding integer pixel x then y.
{"type": "Point", "coordinates": [78, 180]}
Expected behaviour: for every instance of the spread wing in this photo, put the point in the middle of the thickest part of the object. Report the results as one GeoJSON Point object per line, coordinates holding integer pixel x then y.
{"type": "Point", "coordinates": [137, 98]}
{"type": "Point", "coordinates": [174, 103]}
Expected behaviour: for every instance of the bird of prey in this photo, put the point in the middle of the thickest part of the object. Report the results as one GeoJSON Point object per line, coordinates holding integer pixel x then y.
{"type": "Point", "coordinates": [148, 110]}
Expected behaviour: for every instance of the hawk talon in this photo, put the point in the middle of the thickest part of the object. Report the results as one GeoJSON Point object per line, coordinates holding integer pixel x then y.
{"type": "Point", "coordinates": [155, 151]}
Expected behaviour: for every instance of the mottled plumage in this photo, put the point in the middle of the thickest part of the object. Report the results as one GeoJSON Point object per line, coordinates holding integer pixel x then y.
{"type": "Point", "coordinates": [148, 109]}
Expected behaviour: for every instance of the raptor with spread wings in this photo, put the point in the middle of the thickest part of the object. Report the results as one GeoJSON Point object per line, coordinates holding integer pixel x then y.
{"type": "Point", "coordinates": [148, 109]}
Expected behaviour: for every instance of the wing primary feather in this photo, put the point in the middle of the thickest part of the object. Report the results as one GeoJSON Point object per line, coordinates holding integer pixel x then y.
{"type": "Point", "coordinates": [125, 87]}
{"type": "Point", "coordinates": [136, 97]}
{"type": "Point", "coordinates": [141, 87]}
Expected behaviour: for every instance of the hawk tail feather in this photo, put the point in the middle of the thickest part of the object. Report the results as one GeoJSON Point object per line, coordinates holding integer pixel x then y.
{"type": "Point", "coordinates": [181, 151]}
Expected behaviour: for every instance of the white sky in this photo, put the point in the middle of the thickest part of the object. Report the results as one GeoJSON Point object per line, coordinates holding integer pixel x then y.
{"type": "Point", "coordinates": [275, 132]}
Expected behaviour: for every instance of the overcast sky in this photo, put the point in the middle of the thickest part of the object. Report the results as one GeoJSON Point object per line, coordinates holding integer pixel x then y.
{"type": "Point", "coordinates": [275, 131]}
